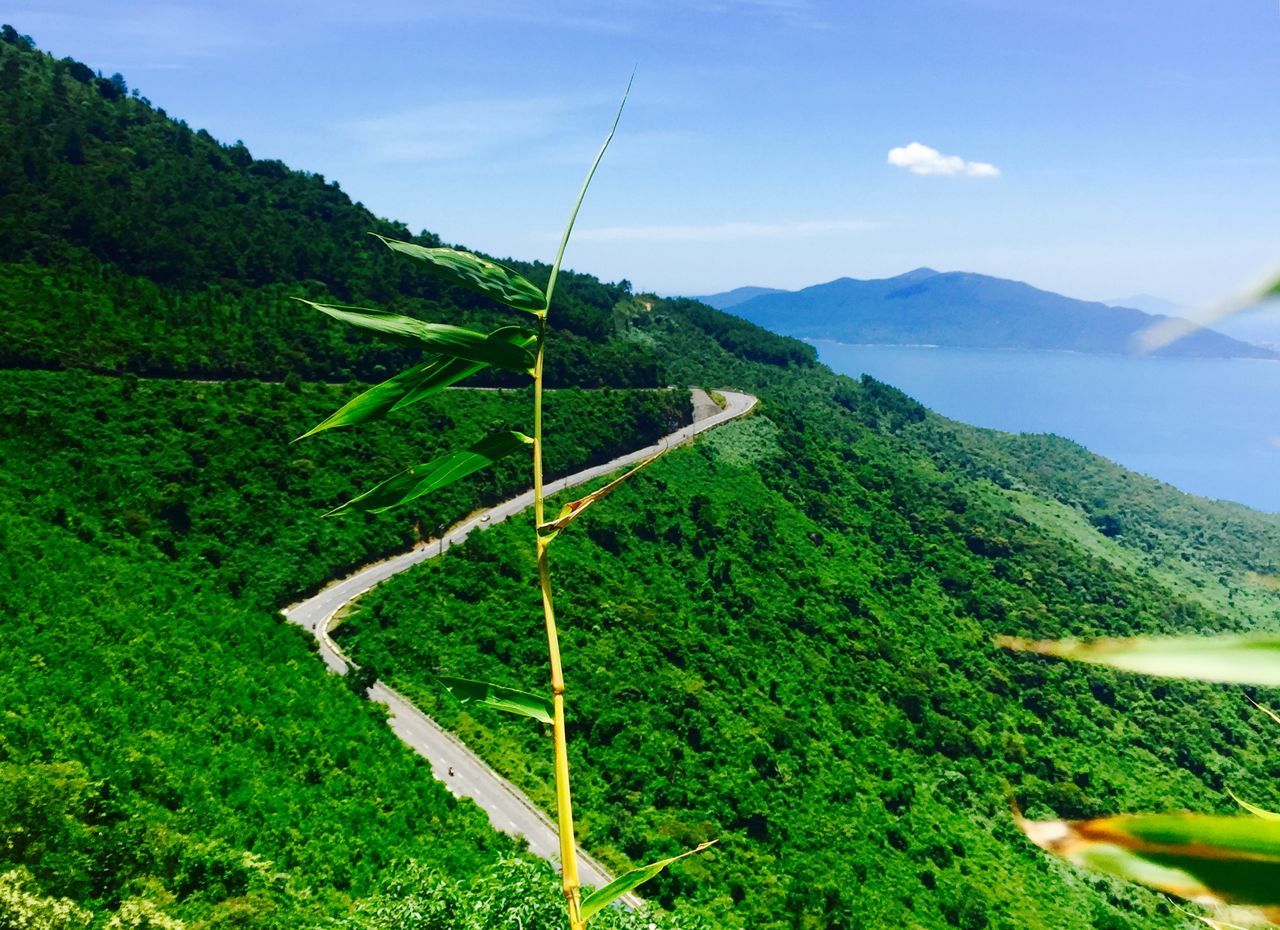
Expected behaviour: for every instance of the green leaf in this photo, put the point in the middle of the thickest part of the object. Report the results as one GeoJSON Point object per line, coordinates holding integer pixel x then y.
{"type": "Point", "coordinates": [423, 479]}
{"type": "Point", "coordinates": [380, 400]}
{"type": "Point", "coordinates": [582, 193]}
{"type": "Point", "coordinates": [572, 510]}
{"type": "Point", "coordinates": [479, 274]}
{"type": "Point", "coordinates": [411, 386]}
{"type": "Point", "coordinates": [1266, 710]}
{"type": "Point", "coordinates": [456, 341]}
{"type": "Point", "coordinates": [1256, 811]}
{"type": "Point", "coordinates": [1208, 859]}
{"type": "Point", "coordinates": [1245, 660]}
{"type": "Point", "coordinates": [508, 699]}
{"type": "Point", "coordinates": [631, 881]}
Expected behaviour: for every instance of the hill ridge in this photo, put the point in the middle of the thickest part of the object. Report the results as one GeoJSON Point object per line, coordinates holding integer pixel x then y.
{"type": "Point", "coordinates": [968, 309]}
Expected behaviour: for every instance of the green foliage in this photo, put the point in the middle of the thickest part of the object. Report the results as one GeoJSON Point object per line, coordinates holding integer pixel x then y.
{"type": "Point", "coordinates": [204, 474]}
{"type": "Point", "coordinates": [408, 387]}
{"type": "Point", "coordinates": [180, 745]}
{"type": "Point", "coordinates": [744, 442]}
{"type": "Point", "coordinates": [24, 907]}
{"type": "Point", "coordinates": [509, 288]}
{"type": "Point", "coordinates": [130, 242]}
{"type": "Point", "coordinates": [516, 894]}
{"type": "Point", "coordinates": [630, 881]}
{"type": "Point", "coordinates": [479, 274]}
{"type": "Point", "coordinates": [511, 700]}
{"type": "Point", "coordinates": [163, 729]}
{"type": "Point", "coordinates": [1219, 861]}
{"type": "Point", "coordinates": [420, 480]}
{"type": "Point", "coordinates": [792, 650]}
{"type": "Point", "coordinates": [452, 341]}
{"type": "Point", "coordinates": [745, 340]}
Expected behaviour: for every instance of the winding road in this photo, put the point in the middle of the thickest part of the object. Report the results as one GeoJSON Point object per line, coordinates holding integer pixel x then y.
{"type": "Point", "coordinates": [462, 771]}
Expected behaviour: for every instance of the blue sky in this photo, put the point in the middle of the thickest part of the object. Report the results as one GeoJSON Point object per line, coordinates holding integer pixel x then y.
{"type": "Point", "coordinates": [1099, 149]}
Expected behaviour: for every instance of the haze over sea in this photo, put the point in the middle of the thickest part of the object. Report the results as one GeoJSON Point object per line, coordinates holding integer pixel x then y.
{"type": "Point", "coordinates": [1207, 426]}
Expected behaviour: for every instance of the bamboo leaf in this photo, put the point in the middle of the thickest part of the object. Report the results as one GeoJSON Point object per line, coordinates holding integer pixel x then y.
{"type": "Point", "coordinates": [582, 193]}
{"type": "Point", "coordinates": [508, 699]}
{"type": "Point", "coordinates": [1266, 710]}
{"type": "Point", "coordinates": [1247, 660]}
{"type": "Point", "coordinates": [1211, 860]}
{"type": "Point", "coordinates": [455, 341]}
{"type": "Point", "coordinates": [631, 881]}
{"type": "Point", "coordinates": [423, 479]}
{"type": "Point", "coordinates": [478, 274]}
{"type": "Point", "coordinates": [380, 400]}
{"type": "Point", "coordinates": [411, 386]}
{"type": "Point", "coordinates": [1256, 811]}
{"type": "Point", "coordinates": [571, 511]}
{"type": "Point", "coordinates": [1210, 921]}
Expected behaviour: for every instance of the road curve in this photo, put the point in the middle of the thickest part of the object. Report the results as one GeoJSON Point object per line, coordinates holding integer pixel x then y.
{"type": "Point", "coordinates": [462, 771]}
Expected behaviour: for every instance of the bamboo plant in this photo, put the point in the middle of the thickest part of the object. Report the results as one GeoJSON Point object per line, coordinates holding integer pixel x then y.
{"type": "Point", "coordinates": [454, 353]}
{"type": "Point", "coordinates": [1229, 864]}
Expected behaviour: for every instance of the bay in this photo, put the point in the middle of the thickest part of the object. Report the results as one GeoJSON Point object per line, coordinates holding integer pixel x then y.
{"type": "Point", "coordinates": [1208, 426]}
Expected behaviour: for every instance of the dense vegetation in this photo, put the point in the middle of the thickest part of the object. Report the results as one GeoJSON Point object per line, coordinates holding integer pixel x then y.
{"type": "Point", "coordinates": [130, 242]}
{"type": "Point", "coordinates": [176, 747]}
{"type": "Point", "coordinates": [850, 733]}
{"type": "Point", "coordinates": [205, 475]}
{"type": "Point", "coordinates": [165, 736]}
{"type": "Point", "coordinates": [780, 637]}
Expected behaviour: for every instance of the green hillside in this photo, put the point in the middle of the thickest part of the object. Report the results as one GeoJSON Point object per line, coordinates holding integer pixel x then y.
{"type": "Point", "coordinates": [176, 254]}
{"type": "Point", "coordinates": [780, 636]}
{"type": "Point", "coordinates": [166, 737]}
{"type": "Point", "coordinates": [800, 611]}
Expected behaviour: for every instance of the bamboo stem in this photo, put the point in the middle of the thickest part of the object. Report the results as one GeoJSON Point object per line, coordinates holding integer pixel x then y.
{"type": "Point", "coordinates": [564, 804]}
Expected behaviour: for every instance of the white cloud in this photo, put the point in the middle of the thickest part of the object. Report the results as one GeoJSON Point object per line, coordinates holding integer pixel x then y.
{"type": "Point", "coordinates": [921, 159]}
{"type": "Point", "coordinates": [722, 232]}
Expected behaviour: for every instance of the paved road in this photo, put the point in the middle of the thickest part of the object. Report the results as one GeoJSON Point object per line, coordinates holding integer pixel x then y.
{"type": "Point", "coordinates": [508, 808]}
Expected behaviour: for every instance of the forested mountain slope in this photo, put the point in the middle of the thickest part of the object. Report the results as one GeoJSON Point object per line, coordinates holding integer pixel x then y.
{"type": "Point", "coordinates": [800, 611]}
{"type": "Point", "coordinates": [166, 738]}
{"type": "Point", "coordinates": [176, 254]}
{"type": "Point", "coordinates": [780, 637]}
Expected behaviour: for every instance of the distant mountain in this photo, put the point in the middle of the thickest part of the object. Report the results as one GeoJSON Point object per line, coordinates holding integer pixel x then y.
{"type": "Point", "coordinates": [738, 295]}
{"type": "Point", "coordinates": [926, 307]}
{"type": "Point", "coordinates": [1150, 304]}
{"type": "Point", "coordinates": [1259, 325]}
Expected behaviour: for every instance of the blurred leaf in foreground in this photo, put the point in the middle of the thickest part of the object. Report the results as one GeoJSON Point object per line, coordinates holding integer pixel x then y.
{"type": "Point", "coordinates": [1242, 660]}
{"type": "Point", "coordinates": [1211, 860]}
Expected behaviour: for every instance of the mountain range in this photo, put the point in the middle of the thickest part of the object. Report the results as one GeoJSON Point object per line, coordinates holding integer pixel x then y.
{"type": "Point", "coordinates": [963, 309]}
